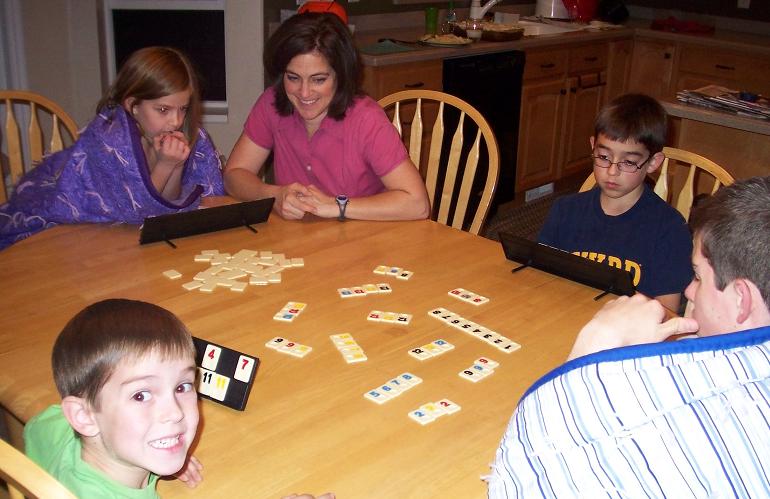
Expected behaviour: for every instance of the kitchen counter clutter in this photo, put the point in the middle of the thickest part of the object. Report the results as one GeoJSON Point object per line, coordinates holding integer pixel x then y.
{"type": "Point", "coordinates": [409, 37]}
{"type": "Point", "coordinates": [569, 75]}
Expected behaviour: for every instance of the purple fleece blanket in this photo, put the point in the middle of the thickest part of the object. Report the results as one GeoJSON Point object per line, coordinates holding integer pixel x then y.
{"type": "Point", "coordinates": [103, 177]}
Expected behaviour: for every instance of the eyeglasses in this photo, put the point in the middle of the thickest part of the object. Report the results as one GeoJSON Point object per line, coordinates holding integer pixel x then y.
{"type": "Point", "coordinates": [625, 166]}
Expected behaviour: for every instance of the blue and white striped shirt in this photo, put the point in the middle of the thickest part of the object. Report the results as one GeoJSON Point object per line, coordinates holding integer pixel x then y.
{"type": "Point", "coordinates": [681, 419]}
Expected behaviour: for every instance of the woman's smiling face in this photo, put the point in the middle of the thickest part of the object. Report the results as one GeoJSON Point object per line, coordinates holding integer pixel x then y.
{"type": "Point", "coordinates": [310, 84]}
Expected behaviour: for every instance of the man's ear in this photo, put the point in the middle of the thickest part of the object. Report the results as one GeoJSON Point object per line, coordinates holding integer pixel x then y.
{"type": "Point", "coordinates": [655, 161]}
{"type": "Point", "coordinates": [744, 299]}
{"type": "Point", "coordinates": [80, 416]}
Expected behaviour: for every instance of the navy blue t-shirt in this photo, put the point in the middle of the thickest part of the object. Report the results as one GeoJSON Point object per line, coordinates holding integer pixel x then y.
{"type": "Point", "coordinates": [651, 240]}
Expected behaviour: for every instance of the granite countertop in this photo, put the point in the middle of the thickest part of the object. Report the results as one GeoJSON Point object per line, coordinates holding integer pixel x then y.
{"type": "Point", "coordinates": [745, 42]}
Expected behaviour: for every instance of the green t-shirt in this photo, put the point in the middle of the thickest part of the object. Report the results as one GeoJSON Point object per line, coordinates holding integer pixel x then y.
{"type": "Point", "coordinates": [51, 442]}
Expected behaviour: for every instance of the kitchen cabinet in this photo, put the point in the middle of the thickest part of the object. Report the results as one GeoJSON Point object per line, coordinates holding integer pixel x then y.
{"type": "Point", "coordinates": [652, 68]}
{"type": "Point", "coordinates": [700, 66]}
{"type": "Point", "coordinates": [618, 67]}
{"type": "Point", "coordinates": [563, 91]}
{"type": "Point", "coordinates": [543, 106]}
{"type": "Point", "coordinates": [380, 81]}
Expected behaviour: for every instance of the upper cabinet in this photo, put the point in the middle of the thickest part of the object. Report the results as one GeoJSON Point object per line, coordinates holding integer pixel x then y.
{"type": "Point", "coordinates": [652, 67]}
{"type": "Point", "coordinates": [661, 67]}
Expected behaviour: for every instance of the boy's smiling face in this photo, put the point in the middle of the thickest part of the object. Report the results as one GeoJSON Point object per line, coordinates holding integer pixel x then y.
{"type": "Point", "coordinates": [147, 419]}
{"type": "Point", "coordinates": [625, 187]}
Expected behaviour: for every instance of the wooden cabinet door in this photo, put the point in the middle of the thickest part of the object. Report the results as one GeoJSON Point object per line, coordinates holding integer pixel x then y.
{"type": "Point", "coordinates": [652, 67]}
{"type": "Point", "coordinates": [586, 97]}
{"type": "Point", "coordinates": [618, 68]}
{"type": "Point", "coordinates": [380, 81]}
{"type": "Point", "coordinates": [540, 132]}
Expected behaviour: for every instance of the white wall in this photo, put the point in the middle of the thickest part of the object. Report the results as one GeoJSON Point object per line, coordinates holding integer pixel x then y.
{"type": "Point", "coordinates": [61, 52]}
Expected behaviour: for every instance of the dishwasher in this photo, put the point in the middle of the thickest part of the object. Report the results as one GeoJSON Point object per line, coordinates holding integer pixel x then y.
{"type": "Point", "coordinates": [492, 84]}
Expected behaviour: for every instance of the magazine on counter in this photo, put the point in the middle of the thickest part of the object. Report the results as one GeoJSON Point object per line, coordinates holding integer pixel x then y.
{"type": "Point", "coordinates": [731, 101]}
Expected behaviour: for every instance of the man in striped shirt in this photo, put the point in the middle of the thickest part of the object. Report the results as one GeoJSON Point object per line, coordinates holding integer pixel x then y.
{"type": "Point", "coordinates": [632, 416]}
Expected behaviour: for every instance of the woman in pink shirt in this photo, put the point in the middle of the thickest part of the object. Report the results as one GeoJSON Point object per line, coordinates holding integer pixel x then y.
{"type": "Point", "coordinates": [335, 153]}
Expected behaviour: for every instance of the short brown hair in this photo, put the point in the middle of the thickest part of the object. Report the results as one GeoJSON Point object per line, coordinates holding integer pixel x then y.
{"type": "Point", "coordinates": [635, 117]}
{"type": "Point", "coordinates": [315, 32]}
{"type": "Point", "coordinates": [101, 335]}
{"type": "Point", "coordinates": [155, 72]}
{"type": "Point", "coordinates": [734, 230]}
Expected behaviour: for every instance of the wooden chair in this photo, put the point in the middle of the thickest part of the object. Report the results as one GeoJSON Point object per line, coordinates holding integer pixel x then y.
{"type": "Point", "coordinates": [685, 196]}
{"type": "Point", "coordinates": [25, 152]}
{"type": "Point", "coordinates": [25, 478]}
{"type": "Point", "coordinates": [453, 151]}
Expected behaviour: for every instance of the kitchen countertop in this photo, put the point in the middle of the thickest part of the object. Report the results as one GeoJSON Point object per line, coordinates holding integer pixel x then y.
{"type": "Point", "coordinates": [425, 53]}
{"type": "Point", "coordinates": [714, 117]}
{"type": "Point", "coordinates": [745, 42]}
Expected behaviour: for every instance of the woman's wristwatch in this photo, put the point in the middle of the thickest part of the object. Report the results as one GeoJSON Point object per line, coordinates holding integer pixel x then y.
{"type": "Point", "coordinates": [342, 204]}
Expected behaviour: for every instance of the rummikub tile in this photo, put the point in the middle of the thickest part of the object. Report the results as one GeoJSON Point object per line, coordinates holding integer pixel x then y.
{"type": "Point", "coordinates": [244, 368]}
{"type": "Point", "coordinates": [211, 357]}
{"type": "Point", "coordinates": [172, 274]}
{"type": "Point", "coordinates": [393, 388]}
{"type": "Point", "coordinates": [421, 417]}
{"type": "Point", "coordinates": [381, 269]}
{"type": "Point", "coordinates": [405, 275]}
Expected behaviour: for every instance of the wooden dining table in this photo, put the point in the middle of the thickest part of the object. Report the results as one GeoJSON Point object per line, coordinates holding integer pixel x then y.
{"type": "Point", "coordinates": [307, 426]}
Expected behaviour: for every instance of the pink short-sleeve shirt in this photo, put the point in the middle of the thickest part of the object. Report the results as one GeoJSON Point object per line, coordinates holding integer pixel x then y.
{"type": "Point", "coordinates": [342, 157]}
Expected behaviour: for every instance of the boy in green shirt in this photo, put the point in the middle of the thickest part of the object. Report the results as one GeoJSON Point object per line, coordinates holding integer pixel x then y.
{"type": "Point", "coordinates": [129, 411]}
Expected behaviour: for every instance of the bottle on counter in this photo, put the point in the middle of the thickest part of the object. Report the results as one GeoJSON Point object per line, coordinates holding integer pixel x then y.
{"type": "Point", "coordinates": [451, 19]}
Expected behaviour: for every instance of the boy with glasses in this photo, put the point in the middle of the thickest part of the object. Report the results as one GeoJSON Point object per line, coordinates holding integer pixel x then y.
{"type": "Point", "coordinates": [622, 222]}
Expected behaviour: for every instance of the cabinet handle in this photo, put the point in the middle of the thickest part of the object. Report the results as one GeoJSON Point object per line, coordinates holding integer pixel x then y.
{"type": "Point", "coordinates": [722, 66]}
{"type": "Point", "coordinates": [573, 90]}
{"type": "Point", "coordinates": [550, 65]}
{"type": "Point", "coordinates": [590, 59]}
{"type": "Point", "coordinates": [667, 55]}
{"type": "Point", "coordinates": [563, 91]}
{"type": "Point", "coordinates": [414, 85]}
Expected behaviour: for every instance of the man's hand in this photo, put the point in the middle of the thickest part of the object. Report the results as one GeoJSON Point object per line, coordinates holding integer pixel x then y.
{"type": "Point", "coordinates": [628, 321]}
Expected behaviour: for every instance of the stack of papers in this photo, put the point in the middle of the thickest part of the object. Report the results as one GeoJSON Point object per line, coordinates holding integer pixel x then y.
{"type": "Point", "coordinates": [724, 99]}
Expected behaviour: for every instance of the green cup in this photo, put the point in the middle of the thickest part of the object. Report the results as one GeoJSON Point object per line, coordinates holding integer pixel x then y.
{"type": "Point", "coordinates": [431, 20]}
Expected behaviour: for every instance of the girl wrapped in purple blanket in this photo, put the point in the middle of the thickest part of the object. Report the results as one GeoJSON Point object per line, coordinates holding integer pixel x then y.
{"type": "Point", "coordinates": [144, 154]}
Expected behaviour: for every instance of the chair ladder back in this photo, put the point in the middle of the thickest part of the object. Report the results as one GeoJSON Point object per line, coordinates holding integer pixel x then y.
{"type": "Point", "coordinates": [397, 119]}
{"type": "Point", "coordinates": [436, 143]}
{"type": "Point", "coordinates": [35, 137]}
{"type": "Point", "coordinates": [472, 161]}
{"type": "Point", "coordinates": [455, 155]}
{"type": "Point", "coordinates": [13, 138]}
{"type": "Point", "coordinates": [450, 176]}
{"type": "Point", "coordinates": [415, 135]}
{"type": "Point", "coordinates": [687, 193]}
{"type": "Point", "coordinates": [661, 185]}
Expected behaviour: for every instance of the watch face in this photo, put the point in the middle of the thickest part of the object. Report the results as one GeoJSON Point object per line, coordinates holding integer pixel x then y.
{"type": "Point", "coordinates": [342, 199]}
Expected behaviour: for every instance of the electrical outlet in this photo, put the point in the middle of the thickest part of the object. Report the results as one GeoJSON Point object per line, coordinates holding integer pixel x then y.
{"type": "Point", "coordinates": [744, 4]}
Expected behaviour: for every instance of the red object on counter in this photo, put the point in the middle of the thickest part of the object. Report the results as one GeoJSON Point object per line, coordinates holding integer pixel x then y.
{"type": "Point", "coordinates": [581, 10]}
{"type": "Point", "coordinates": [331, 7]}
{"type": "Point", "coordinates": [675, 25]}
